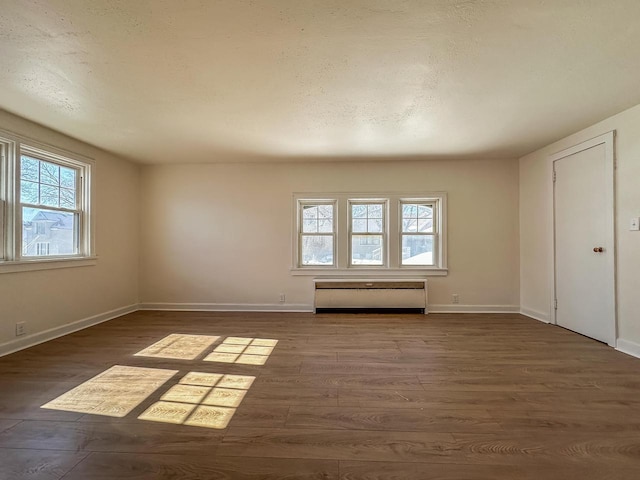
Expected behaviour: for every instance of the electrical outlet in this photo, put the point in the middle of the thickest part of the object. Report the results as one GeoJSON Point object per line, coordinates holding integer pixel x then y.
{"type": "Point", "coordinates": [455, 298]}
{"type": "Point", "coordinates": [283, 298]}
{"type": "Point", "coordinates": [21, 328]}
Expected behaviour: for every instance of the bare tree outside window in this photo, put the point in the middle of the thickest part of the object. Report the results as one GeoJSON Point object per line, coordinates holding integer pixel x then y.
{"type": "Point", "coordinates": [367, 233]}
{"type": "Point", "coordinates": [49, 201]}
{"type": "Point", "coordinates": [317, 234]}
{"type": "Point", "coordinates": [417, 234]}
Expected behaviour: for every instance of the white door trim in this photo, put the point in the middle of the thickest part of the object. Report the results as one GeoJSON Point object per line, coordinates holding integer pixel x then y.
{"type": "Point", "coordinates": [607, 140]}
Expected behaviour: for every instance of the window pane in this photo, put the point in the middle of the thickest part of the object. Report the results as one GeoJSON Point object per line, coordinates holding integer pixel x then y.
{"type": "Point", "coordinates": [409, 225]}
{"type": "Point", "coordinates": [359, 225]}
{"type": "Point", "coordinates": [67, 198]}
{"type": "Point", "coordinates": [425, 225]}
{"type": "Point", "coordinates": [49, 196]}
{"type": "Point", "coordinates": [417, 217]}
{"type": "Point", "coordinates": [317, 250]}
{"type": "Point", "coordinates": [29, 168]}
{"type": "Point", "coordinates": [49, 173]}
{"type": "Point", "coordinates": [325, 226]}
{"type": "Point", "coordinates": [375, 211]}
{"type": "Point", "coordinates": [325, 211]}
{"type": "Point", "coordinates": [309, 225]}
{"type": "Point", "coordinates": [67, 177]}
{"type": "Point", "coordinates": [425, 211]}
{"type": "Point", "coordinates": [374, 225]}
{"type": "Point", "coordinates": [46, 232]}
{"type": "Point", "coordinates": [309, 211]}
{"type": "Point", "coordinates": [28, 192]}
{"type": "Point", "coordinates": [409, 210]}
{"type": "Point", "coordinates": [358, 211]}
{"type": "Point", "coordinates": [417, 250]}
{"type": "Point", "coordinates": [366, 250]}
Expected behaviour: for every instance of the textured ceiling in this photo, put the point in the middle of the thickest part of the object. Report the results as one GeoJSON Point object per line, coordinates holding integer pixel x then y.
{"type": "Point", "coordinates": [231, 80]}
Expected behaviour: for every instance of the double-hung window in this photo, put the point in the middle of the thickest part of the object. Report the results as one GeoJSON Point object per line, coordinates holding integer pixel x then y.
{"type": "Point", "coordinates": [371, 234]}
{"type": "Point", "coordinates": [418, 232]}
{"type": "Point", "coordinates": [316, 233]}
{"type": "Point", "coordinates": [45, 214]}
{"type": "Point", "coordinates": [367, 221]}
{"type": "Point", "coordinates": [50, 206]}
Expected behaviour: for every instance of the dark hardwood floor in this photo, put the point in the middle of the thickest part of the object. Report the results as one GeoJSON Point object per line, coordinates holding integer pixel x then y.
{"type": "Point", "coordinates": [359, 396]}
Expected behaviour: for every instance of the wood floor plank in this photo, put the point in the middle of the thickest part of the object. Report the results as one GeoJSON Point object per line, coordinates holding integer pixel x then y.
{"type": "Point", "coordinates": [376, 382]}
{"type": "Point", "coordinates": [466, 384]}
{"type": "Point", "coordinates": [110, 437]}
{"type": "Point", "coordinates": [418, 471]}
{"type": "Point", "coordinates": [127, 466]}
{"type": "Point", "coordinates": [553, 447]}
{"type": "Point", "coordinates": [259, 415]}
{"type": "Point", "coordinates": [351, 368]}
{"type": "Point", "coordinates": [337, 444]}
{"type": "Point", "coordinates": [291, 395]}
{"type": "Point", "coordinates": [6, 424]}
{"type": "Point", "coordinates": [22, 400]}
{"type": "Point", "coordinates": [574, 419]}
{"type": "Point", "coordinates": [408, 420]}
{"type": "Point", "coordinates": [32, 464]}
{"type": "Point", "coordinates": [455, 400]}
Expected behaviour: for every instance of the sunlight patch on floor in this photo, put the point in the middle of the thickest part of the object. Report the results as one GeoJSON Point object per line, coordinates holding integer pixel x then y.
{"type": "Point", "coordinates": [179, 346]}
{"type": "Point", "coordinates": [200, 399]}
{"type": "Point", "coordinates": [114, 393]}
{"type": "Point", "coordinates": [243, 350]}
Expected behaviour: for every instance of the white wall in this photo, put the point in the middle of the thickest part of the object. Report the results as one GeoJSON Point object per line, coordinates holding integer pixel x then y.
{"type": "Point", "coordinates": [535, 206]}
{"type": "Point", "coordinates": [52, 299]}
{"type": "Point", "coordinates": [221, 233]}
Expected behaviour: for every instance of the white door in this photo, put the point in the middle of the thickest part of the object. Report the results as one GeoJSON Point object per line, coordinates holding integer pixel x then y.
{"type": "Point", "coordinates": [584, 246]}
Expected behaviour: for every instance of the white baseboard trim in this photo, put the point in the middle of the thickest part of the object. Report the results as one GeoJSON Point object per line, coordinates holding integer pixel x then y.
{"type": "Point", "coordinates": [303, 308]}
{"type": "Point", "coordinates": [227, 307]}
{"type": "Point", "coordinates": [41, 337]}
{"type": "Point", "coordinates": [628, 347]}
{"type": "Point", "coordinates": [543, 317]}
{"type": "Point", "coordinates": [473, 309]}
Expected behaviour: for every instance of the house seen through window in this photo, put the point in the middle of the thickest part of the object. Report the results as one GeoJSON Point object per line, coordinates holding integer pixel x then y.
{"type": "Point", "coordinates": [45, 200]}
{"type": "Point", "coordinates": [49, 208]}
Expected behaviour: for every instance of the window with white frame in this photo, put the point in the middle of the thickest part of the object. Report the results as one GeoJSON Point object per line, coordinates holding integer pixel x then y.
{"type": "Point", "coordinates": [417, 233]}
{"type": "Point", "coordinates": [367, 232]}
{"type": "Point", "coordinates": [316, 233]}
{"type": "Point", "coordinates": [45, 197]}
{"type": "Point", "coordinates": [375, 233]}
{"type": "Point", "coordinates": [3, 193]}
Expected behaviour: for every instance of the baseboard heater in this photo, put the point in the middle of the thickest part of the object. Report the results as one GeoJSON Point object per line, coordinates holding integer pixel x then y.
{"type": "Point", "coordinates": [333, 295]}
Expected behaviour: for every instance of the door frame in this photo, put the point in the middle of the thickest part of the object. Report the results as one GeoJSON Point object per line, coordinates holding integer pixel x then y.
{"type": "Point", "coordinates": [608, 140]}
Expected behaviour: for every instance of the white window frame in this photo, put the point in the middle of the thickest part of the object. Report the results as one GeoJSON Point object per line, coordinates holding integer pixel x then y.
{"type": "Point", "coordinates": [385, 229]}
{"type": "Point", "coordinates": [299, 231]}
{"type": "Point", "coordinates": [4, 175]}
{"type": "Point", "coordinates": [435, 231]}
{"type": "Point", "coordinates": [12, 148]}
{"type": "Point", "coordinates": [393, 231]}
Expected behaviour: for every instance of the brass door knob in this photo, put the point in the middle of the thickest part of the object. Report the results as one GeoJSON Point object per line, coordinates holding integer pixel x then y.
{"type": "Point", "coordinates": [598, 249]}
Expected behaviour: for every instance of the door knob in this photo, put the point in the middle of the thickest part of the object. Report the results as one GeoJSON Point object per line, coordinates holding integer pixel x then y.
{"type": "Point", "coordinates": [598, 249]}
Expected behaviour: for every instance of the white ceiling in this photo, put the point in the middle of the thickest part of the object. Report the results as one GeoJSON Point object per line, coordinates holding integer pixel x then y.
{"type": "Point", "coordinates": [247, 80]}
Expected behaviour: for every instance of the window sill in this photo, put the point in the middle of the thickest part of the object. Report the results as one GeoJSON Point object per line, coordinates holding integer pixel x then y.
{"type": "Point", "coordinates": [49, 264]}
{"type": "Point", "coordinates": [370, 272]}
